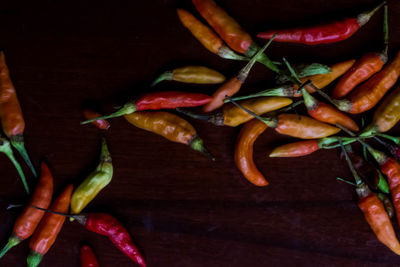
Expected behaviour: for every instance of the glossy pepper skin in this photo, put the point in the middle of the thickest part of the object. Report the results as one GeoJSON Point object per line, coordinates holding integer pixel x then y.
{"type": "Point", "coordinates": [391, 168]}
{"type": "Point", "coordinates": [322, 34]}
{"type": "Point", "coordinates": [94, 183]}
{"type": "Point", "coordinates": [386, 115]}
{"type": "Point", "coordinates": [168, 125]}
{"type": "Point", "coordinates": [30, 217]}
{"type": "Point", "coordinates": [369, 93]}
{"type": "Point", "coordinates": [159, 100]}
{"type": "Point", "coordinates": [191, 74]}
{"type": "Point", "coordinates": [106, 225]}
{"type": "Point", "coordinates": [206, 36]}
{"type": "Point", "coordinates": [88, 258]}
{"type": "Point", "coordinates": [12, 119]}
{"type": "Point", "coordinates": [244, 151]}
{"type": "Point", "coordinates": [49, 228]}
{"type": "Point", "coordinates": [101, 124]}
{"type": "Point", "coordinates": [327, 113]}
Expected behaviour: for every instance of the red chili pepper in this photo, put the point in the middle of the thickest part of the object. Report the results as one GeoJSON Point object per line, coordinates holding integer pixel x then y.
{"type": "Point", "coordinates": [158, 100]}
{"type": "Point", "coordinates": [101, 124]}
{"type": "Point", "coordinates": [88, 258]}
{"type": "Point", "coordinates": [322, 34]}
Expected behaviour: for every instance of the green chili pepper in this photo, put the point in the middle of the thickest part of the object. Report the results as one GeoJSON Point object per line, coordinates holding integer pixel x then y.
{"type": "Point", "coordinates": [94, 183]}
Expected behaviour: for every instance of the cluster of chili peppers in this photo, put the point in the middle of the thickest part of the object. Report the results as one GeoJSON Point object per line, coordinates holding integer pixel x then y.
{"type": "Point", "coordinates": [363, 84]}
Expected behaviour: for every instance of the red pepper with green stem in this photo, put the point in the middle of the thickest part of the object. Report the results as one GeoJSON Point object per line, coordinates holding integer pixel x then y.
{"type": "Point", "coordinates": [322, 34]}
{"type": "Point", "coordinates": [365, 67]}
{"type": "Point", "coordinates": [12, 119]}
{"type": "Point", "coordinates": [230, 31]}
{"type": "Point", "coordinates": [156, 101]}
{"type": "Point", "coordinates": [374, 212]}
{"type": "Point", "coordinates": [88, 258]}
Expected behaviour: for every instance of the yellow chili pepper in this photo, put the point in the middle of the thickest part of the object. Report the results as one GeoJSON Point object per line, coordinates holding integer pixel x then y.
{"type": "Point", "coordinates": [169, 126]}
{"type": "Point", "coordinates": [231, 115]}
{"type": "Point", "coordinates": [191, 74]}
{"type": "Point", "coordinates": [94, 183]}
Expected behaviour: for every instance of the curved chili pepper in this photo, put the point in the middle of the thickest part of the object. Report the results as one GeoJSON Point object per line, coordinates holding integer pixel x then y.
{"type": "Point", "coordinates": [386, 115]}
{"type": "Point", "coordinates": [369, 93]}
{"type": "Point", "coordinates": [230, 31]}
{"type": "Point", "coordinates": [158, 100]}
{"type": "Point", "coordinates": [94, 183]}
{"type": "Point", "coordinates": [88, 258]}
{"type": "Point", "coordinates": [102, 124]}
{"type": "Point", "coordinates": [191, 74]}
{"type": "Point", "coordinates": [374, 211]}
{"type": "Point", "coordinates": [169, 126]}
{"type": "Point", "coordinates": [12, 120]}
{"type": "Point", "coordinates": [30, 217]}
{"type": "Point", "coordinates": [231, 115]}
{"type": "Point", "coordinates": [320, 81]}
{"type": "Point", "coordinates": [322, 34]}
{"type": "Point", "coordinates": [327, 113]}
{"type": "Point", "coordinates": [244, 151]}
{"type": "Point", "coordinates": [367, 66]}
{"type": "Point", "coordinates": [233, 85]}
{"type": "Point", "coordinates": [47, 232]}
{"type": "Point", "coordinates": [206, 36]}
{"type": "Point", "coordinates": [104, 224]}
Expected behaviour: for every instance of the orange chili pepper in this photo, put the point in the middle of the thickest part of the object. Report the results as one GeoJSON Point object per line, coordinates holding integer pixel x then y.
{"type": "Point", "coordinates": [30, 217]}
{"type": "Point", "coordinates": [233, 85]}
{"type": "Point", "coordinates": [12, 120]}
{"type": "Point", "coordinates": [49, 228]}
{"type": "Point", "coordinates": [102, 124]}
{"type": "Point", "coordinates": [244, 151]}
{"type": "Point", "coordinates": [169, 126]}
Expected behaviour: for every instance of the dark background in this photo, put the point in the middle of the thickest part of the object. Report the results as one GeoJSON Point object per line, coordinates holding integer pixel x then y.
{"type": "Point", "coordinates": [181, 208]}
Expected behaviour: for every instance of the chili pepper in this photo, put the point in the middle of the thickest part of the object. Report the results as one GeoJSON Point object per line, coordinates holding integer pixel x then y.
{"type": "Point", "coordinates": [47, 232]}
{"type": "Point", "coordinates": [387, 203]}
{"type": "Point", "coordinates": [369, 93]}
{"type": "Point", "coordinates": [230, 115]}
{"type": "Point", "coordinates": [320, 81]}
{"type": "Point", "coordinates": [386, 115]}
{"type": "Point", "coordinates": [206, 36]}
{"type": "Point", "coordinates": [88, 258]}
{"type": "Point", "coordinates": [29, 219]}
{"type": "Point", "coordinates": [374, 212]}
{"type": "Point", "coordinates": [169, 126]}
{"type": "Point", "coordinates": [233, 85]}
{"type": "Point", "coordinates": [230, 31]}
{"type": "Point", "coordinates": [303, 70]}
{"type": "Point", "coordinates": [367, 66]}
{"type": "Point", "coordinates": [11, 116]}
{"type": "Point", "coordinates": [322, 34]}
{"type": "Point", "coordinates": [191, 74]}
{"type": "Point", "coordinates": [5, 148]}
{"type": "Point", "coordinates": [295, 125]}
{"type": "Point", "coordinates": [101, 124]}
{"type": "Point", "coordinates": [244, 151]}
{"type": "Point", "coordinates": [94, 183]}
{"type": "Point", "coordinates": [303, 148]}
{"type": "Point", "coordinates": [158, 100]}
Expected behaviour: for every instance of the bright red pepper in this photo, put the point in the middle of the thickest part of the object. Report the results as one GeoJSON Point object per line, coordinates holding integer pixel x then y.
{"type": "Point", "coordinates": [88, 258]}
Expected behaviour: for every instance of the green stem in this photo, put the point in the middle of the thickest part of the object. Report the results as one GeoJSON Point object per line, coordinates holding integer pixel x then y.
{"type": "Point", "coordinates": [310, 102]}
{"type": "Point", "coordinates": [227, 53]}
{"type": "Point", "coordinates": [363, 18]}
{"type": "Point", "coordinates": [128, 108]}
{"type": "Point", "coordinates": [17, 141]}
{"type": "Point", "coordinates": [166, 76]}
{"type": "Point", "coordinates": [12, 242]}
{"type": "Point", "coordinates": [385, 29]}
{"type": "Point", "coordinates": [34, 259]}
{"type": "Point", "coordinates": [293, 73]}
{"type": "Point", "coordinates": [346, 181]}
{"type": "Point", "coordinates": [350, 164]}
{"type": "Point", "coordinates": [278, 91]}
{"type": "Point", "coordinates": [197, 144]}
{"type": "Point", "coordinates": [203, 117]}
{"type": "Point", "coordinates": [394, 139]}
{"type": "Point", "coordinates": [5, 148]}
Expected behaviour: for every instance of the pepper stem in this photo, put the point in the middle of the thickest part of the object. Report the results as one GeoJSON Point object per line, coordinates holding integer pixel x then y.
{"type": "Point", "coordinates": [128, 108]}
{"type": "Point", "coordinates": [363, 18]}
{"type": "Point", "coordinates": [5, 148]}
{"type": "Point", "coordinates": [34, 259]}
{"type": "Point", "coordinates": [166, 76]}
{"type": "Point", "coordinates": [263, 58]}
{"type": "Point", "coordinates": [394, 139]}
{"type": "Point", "coordinates": [105, 153]}
{"type": "Point", "coordinates": [12, 242]}
{"type": "Point", "coordinates": [242, 76]}
{"type": "Point", "coordinates": [342, 104]}
{"type": "Point", "coordinates": [227, 53]}
{"type": "Point", "coordinates": [350, 164]}
{"type": "Point", "coordinates": [385, 29]}
{"type": "Point", "coordinates": [17, 141]}
{"type": "Point", "coordinates": [346, 181]}
{"type": "Point", "coordinates": [203, 117]}
{"type": "Point", "coordinates": [197, 144]}
{"type": "Point", "coordinates": [278, 91]}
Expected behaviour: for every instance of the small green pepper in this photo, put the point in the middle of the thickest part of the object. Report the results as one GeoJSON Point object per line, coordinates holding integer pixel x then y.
{"type": "Point", "coordinates": [94, 183]}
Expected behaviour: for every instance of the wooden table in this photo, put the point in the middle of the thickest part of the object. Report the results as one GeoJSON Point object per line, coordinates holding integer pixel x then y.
{"type": "Point", "coordinates": [181, 208]}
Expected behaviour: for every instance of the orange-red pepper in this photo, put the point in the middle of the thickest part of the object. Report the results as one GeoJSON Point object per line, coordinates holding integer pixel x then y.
{"type": "Point", "coordinates": [102, 124]}
{"type": "Point", "coordinates": [88, 258]}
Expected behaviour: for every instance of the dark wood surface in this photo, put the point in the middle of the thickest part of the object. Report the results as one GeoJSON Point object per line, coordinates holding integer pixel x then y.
{"type": "Point", "coordinates": [182, 209]}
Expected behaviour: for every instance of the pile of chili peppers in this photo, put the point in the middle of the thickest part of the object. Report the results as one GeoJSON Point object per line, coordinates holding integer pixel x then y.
{"type": "Point", "coordinates": [361, 84]}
